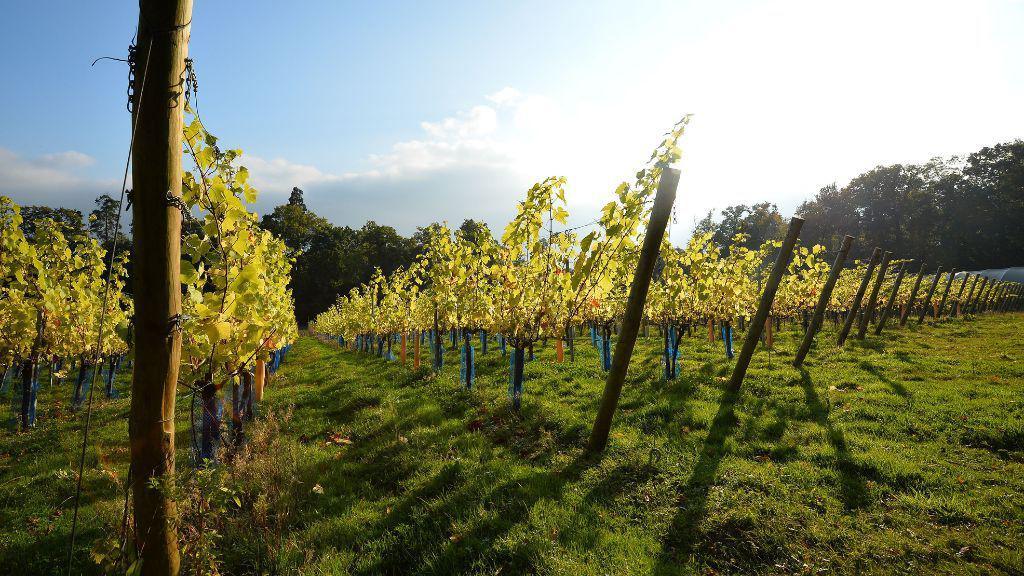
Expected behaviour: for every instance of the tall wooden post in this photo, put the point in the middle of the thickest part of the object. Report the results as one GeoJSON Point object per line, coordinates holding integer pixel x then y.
{"type": "Point", "coordinates": [966, 304]}
{"type": "Point", "coordinates": [1011, 295]}
{"type": "Point", "coordinates": [851, 315]}
{"type": "Point", "coordinates": [823, 299]}
{"type": "Point", "coordinates": [892, 300]}
{"type": "Point", "coordinates": [959, 294]}
{"type": "Point", "coordinates": [977, 297]}
{"type": "Point", "coordinates": [764, 307]}
{"type": "Point", "coordinates": [928, 297]}
{"type": "Point", "coordinates": [913, 296]}
{"type": "Point", "coordinates": [945, 295]}
{"type": "Point", "coordinates": [260, 371]}
{"type": "Point", "coordinates": [985, 295]}
{"type": "Point", "coordinates": [163, 36]}
{"type": "Point", "coordinates": [862, 328]}
{"type": "Point", "coordinates": [663, 201]}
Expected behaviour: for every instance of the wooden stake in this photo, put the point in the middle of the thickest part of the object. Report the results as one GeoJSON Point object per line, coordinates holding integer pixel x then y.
{"type": "Point", "coordinates": [928, 298]}
{"type": "Point", "coordinates": [823, 300]}
{"type": "Point", "coordinates": [977, 297]}
{"type": "Point", "coordinates": [401, 352]}
{"type": "Point", "coordinates": [959, 294]}
{"type": "Point", "coordinates": [663, 201]}
{"type": "Point", "coordinates": [913, 296]}
{"type": "Point", "coordinates": [260, 381]}
{"type": "Point", "coordinates": [862, 328]}
{"type": "Point", "coordinates": [945, 294]}
{"type": "Point", "coordinates": [892, 300]}
{"type": "Point", "coordinates": [163, 35]}
{"type": "Point", "coordinates": [966, 304]}
{"type": "Point", "coordinates": [765, 305]}
{"type": "Point", "coordinates": [851, 315]}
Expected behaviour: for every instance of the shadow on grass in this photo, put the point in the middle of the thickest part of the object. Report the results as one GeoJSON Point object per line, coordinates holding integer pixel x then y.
{"type": "Point", "coordinates": [683, 532]}
{"type": "Point", "coordinates": [853, 489]}
{"type": "Point", "coordinates": [877, 373]}
{"type": "Point", "coordinates": [419, 534]}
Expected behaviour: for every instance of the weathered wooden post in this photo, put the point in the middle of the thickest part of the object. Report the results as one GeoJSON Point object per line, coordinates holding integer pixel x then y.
{"type": "Point", "coordinates": [892, 300]}
{"type": "Point", "coordinates": [993, 293]}
{"type": "Point", "coordinates": [765, 306]}
{"type": "Point", "coordinates": [1011, 296]}
{"type": "Point", "coordinates": [945, 294]}
{"type": "Point", "coordinates": [959, 294]}
{"type": "Point", "coordinates": [851, 315]}
{"type": "Point", "coordinates": [163, 35]}
{"type": "Point", "coordinates": [977, 297]}
{"type": "Point", "coordinates": [983, 304]}
{"type": "Point", "coordinates": [965, 307]}
{"type": "Point", "coordinates": [862, 328]}
{"type": "Point", "coordinates": [823, 299]}
{"type": "Point", "coordinates": [913, 296]}
{"type": "Point", "coordinates": [660, 214]}
{"type": "Point", "coordinates": [928, 298]}
{"type": "Point", "coordinates": [260, 373]}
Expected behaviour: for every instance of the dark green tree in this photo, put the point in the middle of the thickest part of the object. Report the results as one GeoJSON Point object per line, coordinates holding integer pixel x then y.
{"type": "Point", "coordinates": [70, 219]}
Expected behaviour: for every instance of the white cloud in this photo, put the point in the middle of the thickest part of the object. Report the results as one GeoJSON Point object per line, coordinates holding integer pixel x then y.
{"type": "Point", "coordinates": [478, 121]}
{"type": "Point", "coordinates": [278, 174]}
{"type": "Point", "coordinates": [51, 179]}
{"type": "Point", "coordinates": [69, 160]}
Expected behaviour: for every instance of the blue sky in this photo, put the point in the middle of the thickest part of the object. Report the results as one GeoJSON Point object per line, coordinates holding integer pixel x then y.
{"type": "Point", "coordinates": [413, 112]}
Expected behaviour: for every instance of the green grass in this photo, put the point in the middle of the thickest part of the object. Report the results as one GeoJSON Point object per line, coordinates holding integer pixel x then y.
{"type": "Point", "coordinates": [903, 454]}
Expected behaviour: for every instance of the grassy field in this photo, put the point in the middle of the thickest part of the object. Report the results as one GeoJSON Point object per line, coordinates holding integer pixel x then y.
{"type": "Point", "coordinates": [901, 454]}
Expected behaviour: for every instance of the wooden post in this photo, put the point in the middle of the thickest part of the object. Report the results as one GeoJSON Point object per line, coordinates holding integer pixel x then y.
{"type": "Point", "coordinates": [1011, 295]}
{"type": "Point", "coordinates": [260, 381]}
{"type": "Point", "coordinates": [983, 301]}
{"type": "Point", "coordinates": [862, 328]}
{"type": "Point", "coordinates": [401, 353]}
{"type": "Point", "coordinates": [892, 300]}
{"type": "Point", "coordinates": [765, 305]}
{"type": "Point", "coordinates": [851, 315]}
{"type": "Point", "coordinates": [977, 297]}
{"type": "Point", "coordinates": [945, 294]}
{"type": "Point", "coordinates": [965, 305]}
{"type": "Point", "coordinates": [928, 297]}
{"type": "Point", "coordinates": [913, 296]}
{"type": "Point", "coordinates": [663, 201]}
{"type": "Point", "coordinates": [163, 36]}
{"type": "Point", "coordinates": [959, 294]}
{"type": "Point", "coordinates": [823, 299]}
{"type": "Point", "coordinates": [997, 294]}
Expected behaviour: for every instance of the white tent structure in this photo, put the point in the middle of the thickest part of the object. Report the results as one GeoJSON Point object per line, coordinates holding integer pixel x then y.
{"type": "Point", "coordinates": [1015, 274]}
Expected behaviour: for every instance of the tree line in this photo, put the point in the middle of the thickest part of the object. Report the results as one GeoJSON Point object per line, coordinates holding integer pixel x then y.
{"type": "Point", "coordinates": [962, 213]}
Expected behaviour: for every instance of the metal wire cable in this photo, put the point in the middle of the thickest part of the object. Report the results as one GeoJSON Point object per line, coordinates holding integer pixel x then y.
{"type": "Point", "coordinates": [115, 231]}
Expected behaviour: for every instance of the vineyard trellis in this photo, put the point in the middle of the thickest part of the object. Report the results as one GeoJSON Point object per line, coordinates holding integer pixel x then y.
{"type": "Point", "coordinates": [534, 284]}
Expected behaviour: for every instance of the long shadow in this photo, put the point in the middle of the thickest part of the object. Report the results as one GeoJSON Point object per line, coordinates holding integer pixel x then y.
{"type": "Point", "coordinates": [877, 373]}
{"type": "Point", "coordinates": [682, 534]}
{"type": "Point", "coordinates": [446, 497]}
{"type": "Point", "coordinates": [853, 489]}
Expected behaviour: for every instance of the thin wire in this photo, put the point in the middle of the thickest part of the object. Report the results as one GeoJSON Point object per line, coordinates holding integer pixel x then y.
{"type": "Point", "coordinates": [103, 310]}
